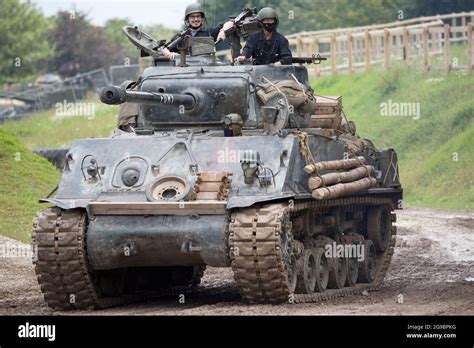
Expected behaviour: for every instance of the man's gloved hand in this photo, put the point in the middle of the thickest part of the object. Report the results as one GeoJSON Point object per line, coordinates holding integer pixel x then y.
{"type": "Point", "coordinates": [168, 54]}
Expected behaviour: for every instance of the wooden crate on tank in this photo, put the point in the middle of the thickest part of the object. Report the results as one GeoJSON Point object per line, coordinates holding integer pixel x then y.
{"type": "Point", "coordinates": [328, 113]}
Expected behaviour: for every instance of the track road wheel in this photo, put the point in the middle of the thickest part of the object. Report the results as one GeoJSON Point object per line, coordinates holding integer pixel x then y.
{"type": "Point", "coordinates": [352, 271]}
{"type": "Point", "coordinates": [367, 266]}
{"type": "Point", "coordinates": [322, 270]}
{"type": "Point", "coordinates": [287, 257]}
{"type": "Point", "coordinates": [338, 273]}
{"type": "Point", "coordinates": [379, 226]}
{"type": "Point", "coordinates": [292, 274]}
{"type": "Point", "coordinates": [306, 282]}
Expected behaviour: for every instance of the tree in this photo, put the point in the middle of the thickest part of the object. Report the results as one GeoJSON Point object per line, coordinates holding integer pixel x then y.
{"type": "Point", "coordinates": [80, 46]}
{"type": "Point", "coordinates": [159, 32]}
{"type": "Point", "coordinates": [434, 7]}
{"type": "Point", "coordinates": [24, 48]}
{"type": "Point", "coordinates": [309, 15]}
{"type": "Point", "coordinates": [113, 30]}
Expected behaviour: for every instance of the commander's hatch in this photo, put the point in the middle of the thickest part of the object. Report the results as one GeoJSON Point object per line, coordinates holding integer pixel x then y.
{"type": "Point", "coordinates": [147, 45]}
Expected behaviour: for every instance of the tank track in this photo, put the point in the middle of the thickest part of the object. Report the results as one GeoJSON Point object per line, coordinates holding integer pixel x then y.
{"type": "Point", "coordinates": [258, 267]}
{"type": "Point", "coordinates": [62, 268]}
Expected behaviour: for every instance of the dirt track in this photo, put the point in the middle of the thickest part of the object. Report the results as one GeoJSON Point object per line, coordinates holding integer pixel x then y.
{"type": "Point", "coordinates": [433, 268]}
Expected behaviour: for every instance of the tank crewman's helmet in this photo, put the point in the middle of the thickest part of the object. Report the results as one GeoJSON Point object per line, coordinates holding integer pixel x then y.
{"type": "Point", "coordinates": [194, 8]}
{"type": "Point", "coordinates": [266, 13]}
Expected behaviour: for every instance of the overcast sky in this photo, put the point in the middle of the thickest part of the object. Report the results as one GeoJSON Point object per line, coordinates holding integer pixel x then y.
{"type": "Point", "coordinates": [140, 12]}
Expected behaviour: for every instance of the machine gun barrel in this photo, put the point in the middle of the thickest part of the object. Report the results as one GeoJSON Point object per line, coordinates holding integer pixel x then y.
{"type": "Point", "coordinates": [308, 60]}
{"type": "Point", "coordinates": [114, 95]}
{"type": "Point", "coordinates": [177, 41]}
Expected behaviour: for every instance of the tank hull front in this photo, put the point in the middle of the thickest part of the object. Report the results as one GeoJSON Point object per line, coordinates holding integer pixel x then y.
{"type": "Point", "coordinates": [160, 240]}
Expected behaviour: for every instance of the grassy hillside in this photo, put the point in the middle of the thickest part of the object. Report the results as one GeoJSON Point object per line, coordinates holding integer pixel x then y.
{"type": "Point", "coordinates": [436, 149]}
{"type": "Point", "coordinates": [24, 177]}
{"type": "Point", "coordinates": [25, 180]}
{"type": "Point", "coordinates": [47, 129]}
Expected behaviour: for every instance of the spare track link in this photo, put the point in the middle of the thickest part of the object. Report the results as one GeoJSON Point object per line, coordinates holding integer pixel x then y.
{"type": "Point", "coordinates": [62, 267]}
{"type": "Point", "coordinates": [257, 265]}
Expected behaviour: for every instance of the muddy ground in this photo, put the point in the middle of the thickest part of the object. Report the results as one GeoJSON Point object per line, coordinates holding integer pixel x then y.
{"type": "Point", "coordinates": [433, 268]}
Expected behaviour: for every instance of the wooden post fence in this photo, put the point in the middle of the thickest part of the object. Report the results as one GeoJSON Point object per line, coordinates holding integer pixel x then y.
{"type": "Point", "coordinates": [381, 45]}
{"type": "Point", "coordinates": [469, 47]}
{"type": "Point", "coordinates": [426, 57]}
{"type": "Point", "coordinates": [367, 50]}
{"type": "Point", "coordinates": [350, 41]}
{"type": "Point", "coordinates": [405, 45]}
{"type": "Point", "coordinates": [447, 57]}
{"type": "Point", "coordinates": [386, 47]}
{"type": "Point", "coordinates": [333, 54]}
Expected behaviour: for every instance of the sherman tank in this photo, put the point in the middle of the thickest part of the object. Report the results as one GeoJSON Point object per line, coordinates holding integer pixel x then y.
{"type": "Point", "coordinates": [222, 165]}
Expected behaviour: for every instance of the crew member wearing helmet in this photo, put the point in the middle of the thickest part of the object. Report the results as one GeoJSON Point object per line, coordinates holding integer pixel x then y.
{"type": "Point", "coordinates": [194, 18]}
{"type": "Point", "coordinates": [267, 46]}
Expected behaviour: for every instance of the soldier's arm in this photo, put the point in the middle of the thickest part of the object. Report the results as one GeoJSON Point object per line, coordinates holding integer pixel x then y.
{"type": "Point", "coordinates": [249, 47]}
{"type": "Point", "coordinates": [286, 56]}
{"type": "Point", "coordinates": [215, 31]}
{"type": "Point", "coordinates": [175, 50]}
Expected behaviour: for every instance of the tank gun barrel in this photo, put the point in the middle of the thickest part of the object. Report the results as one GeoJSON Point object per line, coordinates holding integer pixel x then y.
{"type": "Point", "coordinates": [114, 95]}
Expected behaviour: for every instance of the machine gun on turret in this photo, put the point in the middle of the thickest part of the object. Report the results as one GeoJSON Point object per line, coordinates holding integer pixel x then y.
{"type": "Point", "coordinates": [244, 25]}
{"type": "Point", "coordinates": [178, 40]}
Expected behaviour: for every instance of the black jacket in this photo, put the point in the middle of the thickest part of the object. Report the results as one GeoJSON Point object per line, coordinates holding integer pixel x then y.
{"type": "Point", "coordinates": [203, 32]}
{"type": "Point", "coordinates": [267, 52]}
